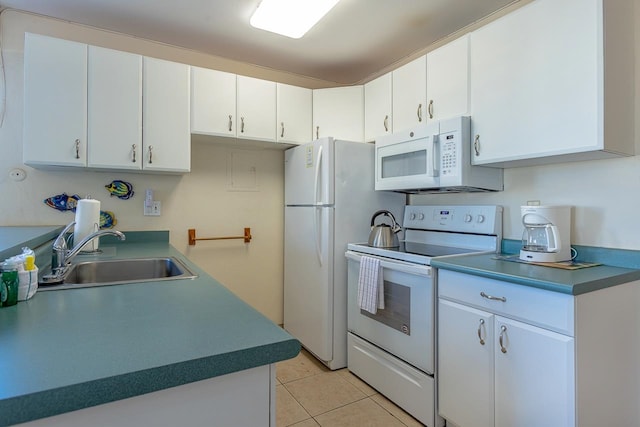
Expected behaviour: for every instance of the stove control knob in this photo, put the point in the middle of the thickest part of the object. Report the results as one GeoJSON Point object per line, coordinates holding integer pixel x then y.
{"type": "Point", "coordinates": [480, 218]}
{"type": "Point", "coordinates": [467, 218]}
{"type": "Point", "coordinates": [420, 216]}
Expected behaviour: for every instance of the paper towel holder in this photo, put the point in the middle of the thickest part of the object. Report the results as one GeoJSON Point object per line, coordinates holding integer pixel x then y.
{"type": "Point", "coordinates": [192, 236]}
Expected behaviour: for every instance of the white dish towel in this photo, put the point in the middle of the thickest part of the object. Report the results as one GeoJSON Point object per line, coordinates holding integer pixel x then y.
{"type": "Point", "coordinates": [370, 285]}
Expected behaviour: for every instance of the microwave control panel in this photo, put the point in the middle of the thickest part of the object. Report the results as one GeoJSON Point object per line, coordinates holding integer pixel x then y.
{"type": "Point", "coordinates": [449, 157]}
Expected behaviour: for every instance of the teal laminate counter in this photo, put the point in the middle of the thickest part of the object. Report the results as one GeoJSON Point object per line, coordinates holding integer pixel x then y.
{"type": "Point", "coordinates": [573, 282]}
{"type": "Point", "coordinates": [13, 239]}
{"type": "Point", "coordinates": [65, 350]}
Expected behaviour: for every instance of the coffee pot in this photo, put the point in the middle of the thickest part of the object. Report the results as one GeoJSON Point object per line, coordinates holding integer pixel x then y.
{"type": "Point", "coordinates": [546, 235]}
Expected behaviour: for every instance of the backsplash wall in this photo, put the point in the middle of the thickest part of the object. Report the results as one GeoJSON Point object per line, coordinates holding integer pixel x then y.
{"type": "Point", "coordinates": [200, 199]}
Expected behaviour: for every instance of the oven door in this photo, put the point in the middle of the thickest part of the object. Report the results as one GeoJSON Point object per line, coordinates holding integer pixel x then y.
{"type": "Point", "coordinates": [405, 327]}
{"type": "Point", "coordinates": [408, 160]}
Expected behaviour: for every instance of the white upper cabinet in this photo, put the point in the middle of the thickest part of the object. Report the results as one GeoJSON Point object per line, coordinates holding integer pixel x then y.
{"type": "Point", "coordinates": [114, 109]}
{"type": "Point", "coordinates": [339, 113]}
{"type": "Point", "coordinates": [410, 94]}
{"type": "Point", "coordinates": [55, 102]}
{"type": "Point", "coordinates": [377, 107]}
{"type": "Point", "coordinates": [166, 120]}
{"type": "Point", "coordinates": [294, 114]}
{"type": "Point", "coordinates": [213, 102]}
{"type": "Point", "coordinates": [448, 80]}
{"type": "Point", "coordinates": [550, 83]}
{"type": "Point", "coordinates": [256, 109]}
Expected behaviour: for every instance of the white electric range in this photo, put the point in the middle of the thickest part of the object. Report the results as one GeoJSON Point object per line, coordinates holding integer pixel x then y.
{"type": "Point", "coordinates": [394, 349]}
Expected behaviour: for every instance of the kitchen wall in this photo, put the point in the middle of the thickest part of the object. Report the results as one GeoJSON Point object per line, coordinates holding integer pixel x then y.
{"type": "Point", "coordinates": [605, 193]}
{"type": "Point", "coordinates": [200, 200]}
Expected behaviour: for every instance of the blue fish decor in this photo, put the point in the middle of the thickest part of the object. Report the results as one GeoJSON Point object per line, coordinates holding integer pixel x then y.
{"type": "Point", "coordinates": [63, 202]}
{"type": "Point", "coordinates": [107, 219]}
{"type": "Point", "coordinates": [121, 189]}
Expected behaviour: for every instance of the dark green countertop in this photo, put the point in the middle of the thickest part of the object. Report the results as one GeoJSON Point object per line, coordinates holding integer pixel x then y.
{"type": "Point", "coordinates": [573, 282]}
{"type": "Point", "coordinates": [65, 350]}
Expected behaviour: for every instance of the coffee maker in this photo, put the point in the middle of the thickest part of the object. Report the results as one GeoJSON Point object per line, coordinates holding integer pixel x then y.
{"type": "Point", "coordinates": [547, 233]}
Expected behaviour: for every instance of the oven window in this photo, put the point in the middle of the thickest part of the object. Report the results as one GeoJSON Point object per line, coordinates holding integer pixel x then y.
{"type": "Point", "coordinates": [397, 308]}
{"type": "Point", "coordinates": [405, 164]}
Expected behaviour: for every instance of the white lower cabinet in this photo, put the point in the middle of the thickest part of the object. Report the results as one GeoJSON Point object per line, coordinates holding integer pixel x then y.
{"type": "Point", "coordinates": [495, 371]}
{"type": "Point", "coordinates": [512, 355]}
{"type": "Point", "coordinates": [244, 398]}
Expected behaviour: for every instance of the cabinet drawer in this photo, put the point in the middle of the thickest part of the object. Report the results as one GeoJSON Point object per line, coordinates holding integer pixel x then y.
{"type": "Point", "coordinates": [550, 310]}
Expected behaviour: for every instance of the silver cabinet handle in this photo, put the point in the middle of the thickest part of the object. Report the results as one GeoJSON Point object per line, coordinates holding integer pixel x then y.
{"type": "Point", "coordinates": [317, 132]}
{"type": "Point", "coordinates": [133, 150]}
{"type": "Point", "coordinates": [241, 124]}
{"type": "Point", "coordinates": [476, 145]}
{"type": "Point", "coordinates": [282, 132]}
{"type": "Point", "coordinates": [430, 109]}
{"type": "Point", "coordinates": [77, 148]}
{"type": "Point", "coordinates": [492, 298]}
{"type": "Point", "coordinates": [420, 112]}
{"type": "Point", "coordinates": [480, 331]}
{"type": "Point", "coordinates": [150, 154]}
{"type": "Point", "coordinates": [386, 123]}
{"type": "Point", "coordinates": [503, 333]}
{"type": "Point", "coordinates": [230, 122]}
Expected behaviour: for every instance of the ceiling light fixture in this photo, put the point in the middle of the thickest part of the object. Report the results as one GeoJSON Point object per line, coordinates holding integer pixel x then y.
{"type": "Point", "coordinates": [291, 18]}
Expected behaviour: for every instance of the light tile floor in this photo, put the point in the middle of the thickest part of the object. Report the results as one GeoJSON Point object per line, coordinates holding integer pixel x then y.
{"type": "Point", "coordinates": [308, 394]}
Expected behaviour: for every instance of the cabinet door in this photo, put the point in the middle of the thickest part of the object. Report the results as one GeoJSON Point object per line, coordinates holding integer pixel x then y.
{"type": "Point", "coordinates": [294, 113]}
{"type": "Point", "coordinates": [537, 82]}
{"type": "Point", "coordinates": [410, 94]}
{"type": "Point", "coordinates": [534, 376]}
{"type": "Point", "coordinates": [256, 109]}
{"type": "Point", "coordinates": [465, 365]}
{"type": "Point", "coordinates": [377, 107]}
{"type": "Point", "coordinates": [213, 102]}
{"type": "Point", "coordinates": [55, 102]}
{"type": "Point", "coordinates": [448, 80]}
{"type": "Point", "coordinates": [114, 109]}
{"type": "Point", "coordinates": [339, 113]}
{"type": "Point", "coordinates": [166, 133]}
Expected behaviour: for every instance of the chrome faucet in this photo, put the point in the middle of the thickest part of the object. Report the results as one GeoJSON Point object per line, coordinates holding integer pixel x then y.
{"type": "Point", "coordinates": [62, 255]}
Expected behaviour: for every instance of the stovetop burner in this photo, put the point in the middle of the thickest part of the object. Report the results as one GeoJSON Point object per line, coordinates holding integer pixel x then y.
{"type": "Point", "coordinates": [434, 231]}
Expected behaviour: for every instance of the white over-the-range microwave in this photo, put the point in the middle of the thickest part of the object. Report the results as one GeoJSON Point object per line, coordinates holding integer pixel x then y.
{"type": "Point", "coordinates": [431, 158]}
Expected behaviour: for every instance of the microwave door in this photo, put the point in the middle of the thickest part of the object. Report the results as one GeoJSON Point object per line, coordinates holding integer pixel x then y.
{"type": "Point", "coordinates": [408, 164]}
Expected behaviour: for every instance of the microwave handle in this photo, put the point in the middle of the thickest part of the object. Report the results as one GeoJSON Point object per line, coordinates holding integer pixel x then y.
{"type": "Point", "coordinates": [435, 158]}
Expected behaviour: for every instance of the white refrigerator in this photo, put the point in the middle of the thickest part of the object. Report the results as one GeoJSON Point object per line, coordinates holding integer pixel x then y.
{"type": "Point", "coordinates": [329, 201]}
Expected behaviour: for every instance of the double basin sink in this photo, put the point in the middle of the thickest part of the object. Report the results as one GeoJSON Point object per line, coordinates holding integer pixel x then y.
{"type": "Point", "coordinates": [121, 271]}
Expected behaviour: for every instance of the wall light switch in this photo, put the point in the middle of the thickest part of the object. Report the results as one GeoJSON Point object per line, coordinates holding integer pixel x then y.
{"type": "Point", "coordinates": [152, 209]}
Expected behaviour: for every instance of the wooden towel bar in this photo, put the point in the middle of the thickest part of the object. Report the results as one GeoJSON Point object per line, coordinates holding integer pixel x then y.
{"type": "Point", "coordinates": [193, 239]}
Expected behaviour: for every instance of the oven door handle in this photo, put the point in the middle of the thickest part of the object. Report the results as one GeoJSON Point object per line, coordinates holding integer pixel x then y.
{"type": "Point", "coordinates": [396, 265]}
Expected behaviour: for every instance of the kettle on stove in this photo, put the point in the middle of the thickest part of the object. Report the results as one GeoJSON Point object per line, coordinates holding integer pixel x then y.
{"type": "Point", "coordinates": [384, 235]}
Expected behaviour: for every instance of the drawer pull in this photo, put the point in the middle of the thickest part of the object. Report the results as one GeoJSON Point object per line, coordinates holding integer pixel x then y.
{"type": "Point", "coordinates": [480, 328]}
{"type": "Point", "coordinates": [492, 298]}
{"type": "Point", "coordinates": [503, 330]}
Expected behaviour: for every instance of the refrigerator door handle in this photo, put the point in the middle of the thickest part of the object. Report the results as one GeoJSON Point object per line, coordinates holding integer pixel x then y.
{"type": "Point", "coordinates": [316, 183]}
{"type": "Point", "coordinates": [316, 233]}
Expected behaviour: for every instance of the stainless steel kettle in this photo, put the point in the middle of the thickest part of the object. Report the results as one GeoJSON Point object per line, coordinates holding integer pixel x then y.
{"type": "Point", "coordinates": [384, 235]}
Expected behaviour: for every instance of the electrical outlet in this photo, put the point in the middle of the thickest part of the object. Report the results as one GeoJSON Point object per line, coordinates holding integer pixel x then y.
{"type": "Point", "coordinates": [153, 209]}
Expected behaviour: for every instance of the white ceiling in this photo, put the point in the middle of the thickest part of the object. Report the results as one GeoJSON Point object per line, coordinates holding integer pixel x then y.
{"type": "Point", "coordinates": [354, 41]}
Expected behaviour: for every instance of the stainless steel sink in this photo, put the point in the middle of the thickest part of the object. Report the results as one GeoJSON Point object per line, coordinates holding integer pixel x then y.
{"type": "Point", "coordinates": [121, 271]}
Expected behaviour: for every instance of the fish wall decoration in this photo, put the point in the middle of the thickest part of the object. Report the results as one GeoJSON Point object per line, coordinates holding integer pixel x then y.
{"type": "Point", "coordinates": [63, 202]}
{"type": "Point", "coordinates": [121, 189]}
{"type": "Point", "coordinates": [107, 219]}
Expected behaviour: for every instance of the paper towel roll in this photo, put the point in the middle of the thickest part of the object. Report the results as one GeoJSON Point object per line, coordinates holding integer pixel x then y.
{"type": "Point", "coordinates": [87, 221]}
